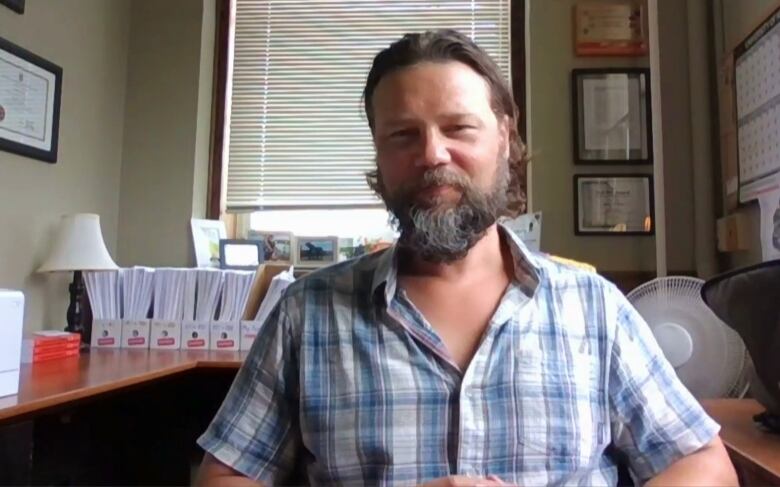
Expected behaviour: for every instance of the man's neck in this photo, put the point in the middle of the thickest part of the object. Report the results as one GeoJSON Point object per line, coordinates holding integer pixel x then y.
{"type": "Point", "coordinates": [489, 255]}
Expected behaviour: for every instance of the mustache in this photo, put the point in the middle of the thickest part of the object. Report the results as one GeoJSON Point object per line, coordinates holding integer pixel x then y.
{"type": "Point", "coordinates": [435, 177]}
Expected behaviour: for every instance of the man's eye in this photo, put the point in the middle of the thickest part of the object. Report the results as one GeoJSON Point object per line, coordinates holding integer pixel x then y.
{"type": "Point", "coordinates": [460, 128]}
{"type": "Point", "coordinates": [402, 133]}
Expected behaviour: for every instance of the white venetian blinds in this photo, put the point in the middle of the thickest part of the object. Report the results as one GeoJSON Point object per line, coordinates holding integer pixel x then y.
{"type": "Point", "coordinates": [298, 135]}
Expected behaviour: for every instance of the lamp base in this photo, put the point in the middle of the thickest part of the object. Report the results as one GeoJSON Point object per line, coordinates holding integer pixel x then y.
{"type": "Point", "coordinates": [75, 315]}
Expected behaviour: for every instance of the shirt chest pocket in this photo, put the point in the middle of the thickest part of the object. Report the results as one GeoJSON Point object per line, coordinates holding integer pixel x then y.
{"type": "Point", "coordinates": [560, 411]}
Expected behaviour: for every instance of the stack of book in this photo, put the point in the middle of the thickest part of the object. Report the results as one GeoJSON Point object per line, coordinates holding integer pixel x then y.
{"type": "Point", "coordinates": [49, 345]}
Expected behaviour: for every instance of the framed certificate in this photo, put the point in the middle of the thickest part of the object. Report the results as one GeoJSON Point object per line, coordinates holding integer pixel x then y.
{"type": "Point", "coordinates": [610, 29]}
{"type": "Point", "coordinates": [613, 204]}
{"type": "Point", "coordinates": [30, 92]}
{"type": "Point", "coordinates": [611, 115]}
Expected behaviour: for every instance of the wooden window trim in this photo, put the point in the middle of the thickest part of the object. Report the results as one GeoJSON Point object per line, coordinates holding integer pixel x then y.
{"type": "Point", "coordinates": [223, 16]}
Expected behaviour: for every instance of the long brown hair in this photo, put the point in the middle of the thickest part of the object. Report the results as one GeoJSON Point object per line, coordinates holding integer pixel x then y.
{"type": "Point", "coordinates": [450, 45]}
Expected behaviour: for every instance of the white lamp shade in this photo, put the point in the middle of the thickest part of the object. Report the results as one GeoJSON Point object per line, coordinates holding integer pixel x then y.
{"type": "Point", "coordinates": [79, 246]}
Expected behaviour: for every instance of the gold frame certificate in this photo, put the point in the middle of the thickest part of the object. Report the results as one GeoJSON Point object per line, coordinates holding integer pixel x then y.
{"type": "Point", "coordinates": [612, 204]}
{"type": "Point", "coordinates": [30, 95]}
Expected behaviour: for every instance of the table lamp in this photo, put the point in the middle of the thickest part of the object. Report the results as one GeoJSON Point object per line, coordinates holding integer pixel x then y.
{"type": "Point", "coordinates": [78, 247]}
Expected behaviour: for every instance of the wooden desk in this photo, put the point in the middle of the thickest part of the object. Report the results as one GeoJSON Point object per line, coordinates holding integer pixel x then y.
{"type": "Point", "coordinates": [112, 416]}
{"type": "Point", "coordinates": [150, 390]}
{"type": "Point", "coordinates": [49, 384]}
{"type": "Point", "coordinates": [755, 453]}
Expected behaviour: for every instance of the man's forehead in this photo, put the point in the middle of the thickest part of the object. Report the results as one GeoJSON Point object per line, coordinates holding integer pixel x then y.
{"type": "Point", "coordinates": [450, 89]}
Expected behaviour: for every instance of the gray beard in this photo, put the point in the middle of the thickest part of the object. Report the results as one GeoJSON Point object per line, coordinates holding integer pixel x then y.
{"type": "Point", "coordinates": [445, 235]}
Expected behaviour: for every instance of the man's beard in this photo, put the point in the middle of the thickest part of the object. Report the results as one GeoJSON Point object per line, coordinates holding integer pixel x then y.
{"type": "Point", "coordinates": [441, 232]}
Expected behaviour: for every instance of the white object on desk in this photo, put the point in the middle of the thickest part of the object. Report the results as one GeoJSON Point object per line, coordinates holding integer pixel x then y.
{"type": "Point", "coordinates": [11, 321]}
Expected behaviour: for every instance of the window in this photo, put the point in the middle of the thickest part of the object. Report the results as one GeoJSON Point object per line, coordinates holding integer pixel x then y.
{"type": "Point", "coordinates": [297, 137]}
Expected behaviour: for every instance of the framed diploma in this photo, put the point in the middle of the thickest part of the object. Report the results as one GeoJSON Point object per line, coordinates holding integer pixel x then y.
{"type": "Point", "coordinates": [30, 91]}
{"type": "Point", "coordinates": [611, 115]}
{"type": "Point", "coordinates": [610, 29]}
{"type": "Point", "coordinates": [613, 204]}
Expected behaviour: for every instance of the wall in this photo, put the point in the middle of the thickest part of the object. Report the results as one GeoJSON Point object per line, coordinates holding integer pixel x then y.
{"type": "Point", "coordinates": [88, 39]}
{"type": "Point", "coordinates": [550, 63]}
{"type": "Point", "coordinates": [733, 21]}
{"type": "Point", "coordinates": [165, 166]}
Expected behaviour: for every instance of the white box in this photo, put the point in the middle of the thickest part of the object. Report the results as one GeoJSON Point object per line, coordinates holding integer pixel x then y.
{"type": "Point", "coordinates": [11, 323]}
{"type": "Point", "coordinates": [225, 335]}
{"type": "Point", "coordinates": [135, 333]}
{"type": "Point", "coordinates": [249, 330]}
{"type": "Point", "coordinates": [106, 333]}
{"type": "Point", "coordinates": [165, 335]}
{"type": "Point", "coordinates": [195, 335]}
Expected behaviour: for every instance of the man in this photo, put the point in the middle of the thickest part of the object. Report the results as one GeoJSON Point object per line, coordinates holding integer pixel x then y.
{"type": "Point", "coordinates": [456, 357]}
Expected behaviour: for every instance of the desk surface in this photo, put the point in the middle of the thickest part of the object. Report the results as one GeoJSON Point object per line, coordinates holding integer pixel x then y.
{"type": "Point", "coordinates": [47, 384]}
{"type": "Point", "coordinates": [748, 445]}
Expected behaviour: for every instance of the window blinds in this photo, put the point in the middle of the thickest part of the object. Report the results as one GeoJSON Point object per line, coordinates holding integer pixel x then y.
{"type": "Point", "coordinates": [298, 137]}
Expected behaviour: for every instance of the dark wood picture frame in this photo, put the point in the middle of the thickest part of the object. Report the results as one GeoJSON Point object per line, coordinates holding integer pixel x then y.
{"type": "Point", "coordinates": [651, 205]}
{"type": "Point", "coordinates": [49, 155]}
{"type": "Point", "coordinates": [578, 128]}
{"type": "Point", "coordinates": [15, 5]}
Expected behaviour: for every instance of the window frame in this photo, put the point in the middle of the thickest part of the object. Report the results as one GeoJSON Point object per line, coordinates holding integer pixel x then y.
{"type": "Point", "coordinates": [225, 22]}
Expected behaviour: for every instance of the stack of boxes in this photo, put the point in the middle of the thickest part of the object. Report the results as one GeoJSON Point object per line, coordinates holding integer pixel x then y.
{"type": "Point", "coordinates": [50, 345]}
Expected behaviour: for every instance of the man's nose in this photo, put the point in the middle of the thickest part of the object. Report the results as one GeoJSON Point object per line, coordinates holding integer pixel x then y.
{"type": "Point", "coordinates": [434, 150]}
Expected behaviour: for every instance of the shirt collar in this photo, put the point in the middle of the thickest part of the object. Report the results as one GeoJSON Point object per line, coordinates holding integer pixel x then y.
{"type": "Point", "coordinates": [527, 268]}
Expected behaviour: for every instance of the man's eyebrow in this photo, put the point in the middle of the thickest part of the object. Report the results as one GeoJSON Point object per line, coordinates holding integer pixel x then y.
{"type": "Point", "coordinates": [405, 120]}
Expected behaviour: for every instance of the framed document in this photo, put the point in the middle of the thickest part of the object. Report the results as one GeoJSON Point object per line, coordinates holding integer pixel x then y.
{"type": "Point", "coordinates": [613, 204]}
{"type": "Point", "coordinates": [611, 115]}
{"type": "Point", "coordinates": [610, 29]}
{"type": "Point", "coordinates": [30, 91]}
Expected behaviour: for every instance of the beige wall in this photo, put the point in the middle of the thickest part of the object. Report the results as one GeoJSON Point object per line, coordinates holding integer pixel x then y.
{"type": "Point", "coordinates": [733, 21]}
{"type": "Point", "coordinates": [165, 158]}
{"type": "Point", "coordinates": [88, 39]}
{"type": "Point", "coordinates": [550, 63]}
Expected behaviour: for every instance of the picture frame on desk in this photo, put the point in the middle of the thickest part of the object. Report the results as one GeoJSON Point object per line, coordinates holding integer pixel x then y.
{"type": "Point", "coordinates": [29, 103]}
{"type": "Point", "coordinates": [206, 235]}
{"type": "Point", "coordinates": [611, 117]}
{"type": "Point", "coordinates": [277, 246]}
{"type": "Point", "coordinates": [240, 254]}
{"type": "Point", "coordinates": [613, 204]}
{"type": "Point", "coordinates": [315, 252]}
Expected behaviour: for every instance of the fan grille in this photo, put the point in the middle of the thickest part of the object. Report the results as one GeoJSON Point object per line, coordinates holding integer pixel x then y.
{"type": "Point", "coordinates": [717, 365]}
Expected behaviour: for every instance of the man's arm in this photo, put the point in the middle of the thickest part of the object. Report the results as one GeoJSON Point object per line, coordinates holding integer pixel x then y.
{"type": "Point", "coordinates": [214, 473]}
{"type": "Point", "coordinates": [709, 466]}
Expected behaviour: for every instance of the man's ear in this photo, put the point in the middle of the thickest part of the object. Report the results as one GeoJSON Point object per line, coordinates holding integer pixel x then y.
{"type": "Point", "coordinates": [504, 129]}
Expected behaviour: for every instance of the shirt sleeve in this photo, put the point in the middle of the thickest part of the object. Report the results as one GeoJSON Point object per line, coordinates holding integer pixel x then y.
{"type": "Point", "coordinates": [655, 419]}
{"type": "Point", "coordinates": [256, 430]}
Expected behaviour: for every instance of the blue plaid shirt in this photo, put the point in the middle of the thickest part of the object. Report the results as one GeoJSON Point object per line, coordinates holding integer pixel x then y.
{"type": "Point", "coordinates": [348, 381]}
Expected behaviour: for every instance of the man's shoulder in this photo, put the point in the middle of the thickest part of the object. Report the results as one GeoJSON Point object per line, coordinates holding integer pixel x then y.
{"type": "Point", "coordinates": [564, 272]}
{"type": "Point", "coordinates": [351, 276]}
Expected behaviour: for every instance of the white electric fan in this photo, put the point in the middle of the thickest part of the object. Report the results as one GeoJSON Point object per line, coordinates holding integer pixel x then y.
{"type": "Point", "coordinates": [708, 356]}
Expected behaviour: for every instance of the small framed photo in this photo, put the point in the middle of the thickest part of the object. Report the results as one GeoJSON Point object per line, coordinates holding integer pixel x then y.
{"type": "Point", "coordinates": [206, 235]}
{"type": "Point", "coordinates": [613, 204]}
{"type": "Point", "coordinates": [611, 116]}
{"type": "Point", "coordinates": [241, 254]}
{"type": "Point", "coordinates": [316, 251]}
{"type": "Point", "coordinates": [277, 246]}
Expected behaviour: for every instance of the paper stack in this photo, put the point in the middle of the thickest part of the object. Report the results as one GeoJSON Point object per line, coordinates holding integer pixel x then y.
{"type": "Point", "coordinates": [204, 287]}
{"type": "Point", "coordinates": [103, 289]}
{"type": "Point", "coordinates": [137, 289]}
{"type": "Point", "coordinates": [170, 294]}
{"type": "Point", "coordinates": [272, 294]}
{"type": "Point", "coordinates": [225, 330]}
